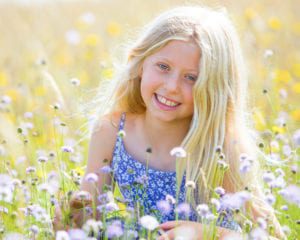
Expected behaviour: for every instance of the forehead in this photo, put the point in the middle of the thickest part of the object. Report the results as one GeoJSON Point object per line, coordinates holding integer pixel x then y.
{"type": "Point", "coordinates": [182, 53]}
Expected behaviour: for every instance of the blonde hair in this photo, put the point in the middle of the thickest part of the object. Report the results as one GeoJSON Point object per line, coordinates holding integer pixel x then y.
{"type": "Point", "coordinates": [219, 93]}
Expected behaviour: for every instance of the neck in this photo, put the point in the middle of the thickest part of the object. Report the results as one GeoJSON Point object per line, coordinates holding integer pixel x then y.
{"type": "Point", "coordinates": [163, 136]}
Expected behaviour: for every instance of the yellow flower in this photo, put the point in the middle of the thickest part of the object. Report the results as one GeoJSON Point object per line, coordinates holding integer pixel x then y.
{"type": "Point", "coordinates": [107, 73]}
{"type": "Point", "coordinates": [250, 13]}
{"type": "Point", "coordinates": [84, 77]}
{"type": "Point", "coordinates": [13, 94]}
{"type": "Point", "coordinates": [3, 79]}
{"type": "Point", "coordinates": [296, 69]}
{"type": "Point", "coordinates": [282, 76]}
{"type": "Point", "coordinates": [296, 88]}
{"type": "Point", "coordinates": [278, 129]}
{"type": "Point", "coordinates": [40, 91]}
{"type": "Point", "coordinates": [274, 23]}
{"type": "Point", "coordinates": [113, 29]}
{"type": "Point", "coordinates": [296, 114]}
{"type": "Point", "coordinates": [296, 27]}
{"type": "Point", "coordinates": [92, 40]}
{"type": "Point", "coordinates": [79, 170]}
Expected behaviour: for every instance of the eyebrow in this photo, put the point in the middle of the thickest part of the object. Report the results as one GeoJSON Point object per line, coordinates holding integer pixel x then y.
{"type": "Point", "coordinates": [170, 62]}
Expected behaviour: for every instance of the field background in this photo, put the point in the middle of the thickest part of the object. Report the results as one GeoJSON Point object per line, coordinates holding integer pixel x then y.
{"type": "Point", "coordinates": [46, 44]}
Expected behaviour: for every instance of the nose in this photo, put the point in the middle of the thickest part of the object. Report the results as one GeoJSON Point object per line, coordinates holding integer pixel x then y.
{"type": "Point", "coordinates": [172, 83]}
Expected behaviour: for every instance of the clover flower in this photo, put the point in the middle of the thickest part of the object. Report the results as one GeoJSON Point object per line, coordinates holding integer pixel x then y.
{"type": "Point", "coordinates": [149, 222]}
{"type": "Point", "coordinates": [178, 152]}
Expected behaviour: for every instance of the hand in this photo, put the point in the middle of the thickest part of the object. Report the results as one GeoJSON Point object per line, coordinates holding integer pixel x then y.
{"type": "Point", "coordinates": [192, 231]}
{"type": "Point", "coordinates": [184, 229]}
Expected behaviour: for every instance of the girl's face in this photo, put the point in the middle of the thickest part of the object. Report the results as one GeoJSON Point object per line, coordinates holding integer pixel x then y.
{"type": "Point", "coordinates": [168, 77]}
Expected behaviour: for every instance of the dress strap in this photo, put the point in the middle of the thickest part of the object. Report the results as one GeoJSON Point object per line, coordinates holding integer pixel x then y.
{"type": "Point", "coordinates": [122, 121]}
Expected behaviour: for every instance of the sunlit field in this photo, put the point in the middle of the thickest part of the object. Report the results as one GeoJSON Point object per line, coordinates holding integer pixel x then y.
{"type": "Point", "coordinates": [54, 56]}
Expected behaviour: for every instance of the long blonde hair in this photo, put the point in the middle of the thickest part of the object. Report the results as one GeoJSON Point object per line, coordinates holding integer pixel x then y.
{"type": "Point", "coordinates": [219, 93]}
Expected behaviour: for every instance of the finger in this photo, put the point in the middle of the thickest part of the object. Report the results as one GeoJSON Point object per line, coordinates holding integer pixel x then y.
{"type": "Point", "coordinates": [170, 225]}
{"type": "Point", "coordinates": [167, 235]}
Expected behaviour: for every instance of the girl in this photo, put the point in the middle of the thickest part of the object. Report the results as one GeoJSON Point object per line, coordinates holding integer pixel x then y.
{"type": "Point", "coordinates": [184, 85]}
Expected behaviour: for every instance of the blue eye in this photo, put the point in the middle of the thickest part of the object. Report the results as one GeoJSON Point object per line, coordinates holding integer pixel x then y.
{"type": "Point", "coordinates": [192, 78]}
{"type": "Point", "coordinates": [163, 66]}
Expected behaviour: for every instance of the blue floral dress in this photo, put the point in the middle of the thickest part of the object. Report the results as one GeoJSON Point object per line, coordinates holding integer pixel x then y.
{"type": "Point", "coordinates": [146, 186]}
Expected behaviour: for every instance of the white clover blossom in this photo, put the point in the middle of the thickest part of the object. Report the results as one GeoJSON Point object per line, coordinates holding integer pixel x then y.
{"type": "Point", "coordinates": [149, 222]}
{"type": "Point", "coordinates": [178, 152]}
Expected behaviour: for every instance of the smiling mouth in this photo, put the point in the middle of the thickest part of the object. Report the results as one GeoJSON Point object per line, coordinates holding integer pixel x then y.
{"type": "Point", "coordinates": [165, 101]}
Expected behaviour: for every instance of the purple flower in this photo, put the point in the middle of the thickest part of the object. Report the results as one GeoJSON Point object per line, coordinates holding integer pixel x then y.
{"type": "Point", "coordinates": [76, 234]}
{"type": "Point", "coordinates": [164, 206]}
{"type": "Point", "coordinates": [149, 222]}
{"type": "Point", "coordinates": [67, 149]}
{"type": "Point", "coordinates": [106, 169]}
{"type": "Point", "coordinates": [91, 178]}
{"type": "Point", "coordinates": [270, 199]}
{"type": "Point", "coordinates": [235, 200]}
{"type": "Point", "coordinates": [296, 138]}
{"type": "Point", "coordinates": [114, 230]}
{"type": "Point", "coordinates": [203, 210]}
{"type": "Point", "coordinates": [291, 194]}
{"type": "Point", "coordinates": [220, 191]}
{"type": "Point", "coordinates": [183, 209]}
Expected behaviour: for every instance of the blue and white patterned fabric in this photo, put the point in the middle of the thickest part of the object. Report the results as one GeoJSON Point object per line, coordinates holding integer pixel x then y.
{"type": "Point", "coordinates": [147, 186]}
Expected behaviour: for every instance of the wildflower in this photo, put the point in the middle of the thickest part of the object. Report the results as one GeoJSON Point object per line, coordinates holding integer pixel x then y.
{"type": "Point", "coordinates": [91, 178]}
{"type": "Point", "coordinates": [291, 194]}
{"type": "Point", "coordinates": [114, 230]}
{"type": "Point", "coordinates": [190, 184]}
{"type": "Point", "coordinates": [149, 222]}
{"type": "Point", "coordinates": [215, 202]}
{"type": "Point", "coordinates": [164, 206]}
{"type": "Point", "coordinates": [270, 199]}
{"type": "Point", "coordinates": [294, 169]}
{"type": "Point", "coordinates": [34, 229]}
{"type": "Point", "coordinates": [88, 18]}
{"type": "Point", "coordinates": [56, 106]}
{"type": "Point", "coordinates": [73, 37]}
{"type": "Point", "coordinates": [296, 138]}
{"type": "Point", "coordinates": [170, 199]}
{"type": "Point", "coordinates": [67, 149]}
{"type": "Point", "coordinates": [28, 115]}
{"type": "Point", "coordinates": [235, 200]}
{"type": "Point", "coordinates": [111, 206]}
{"type": "Point", "coordinates": [284, 208]}
{"type": "Point", "coordinates": [245, 166]}
{"type": "Point", "coordinates": [203, 210]}
{"type": "Point", "coordinates": [268, 53]}
{"type": "Point", "coordinates": [220, 191]}
{"type": "Point", "coordinates": [77, 234]}
{"type": "Point", "coordinates": [106, 169]}
{"type": "Point", "coordinates": [183, 209]}
{"type": "Point", "coordinates": [178, 152]}
{"type": "Point", "coordinates": [279, 182]}
{"type": "Point", "coordinates": [5, 99]}
{"type": "Point", "coordinates": [279, 172]}
{"type": "Point", "coordinates": [62, 235]}
{"type": "Point", "coordinates": [222, 164]}
{"type": "Point", "coordinates": [92, 227]}
{"type": "Point", "coordinates": [30, 170]}
{"type": "Point", "coordinates": [258, 234]}
{"type": "Point", "coordinates": [219, 149]}
{"type": "Point", "coordinates": [83, 195]}
{"type": "Point", "coordinates": [75, 81]}
{"type": "Point", "coordinates": [268, 177]}
{"type": "Point", "coordinates": [42, 159]}
{"type": "Point", "coordinates": [261, 223]}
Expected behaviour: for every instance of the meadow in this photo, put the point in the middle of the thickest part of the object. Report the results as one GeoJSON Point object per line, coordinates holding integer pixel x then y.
{"type": "Point", "coordinates": [54, 56]}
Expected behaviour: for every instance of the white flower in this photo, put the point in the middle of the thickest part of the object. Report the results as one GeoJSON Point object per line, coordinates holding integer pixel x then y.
{"type": "Point", "coordinates": [268, 53]}
{"type": "Point", "coordinates": [83, 195]}
{"type": "Point", "coordinates": [190, 184]}
{"type": "Point", "coordinates": [73, 37]}
{"type": "Point", "coordinates": [62, 235]}
{"type": "Point", "coordinates": [88, 18]}
{"type": "Point", "coordinates": [149, 222]}
{"type": "Point", "coordinates": [170, 199]}
{"type": "Point", "coordinates": [178, 152]}
{"type": "Point", "coordinates": [202, 210]}
{"type": "Point", "coordinates": [91, 177]}
{"type": "Point", "coordinates": [6, 99]}
{"type": "Point", "coordinates": [216, 203]}
{"type": "Point", "coordinates": [220, 191]}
